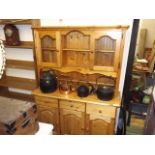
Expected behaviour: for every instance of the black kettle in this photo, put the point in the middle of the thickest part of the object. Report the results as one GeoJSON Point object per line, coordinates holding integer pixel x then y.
{"type": "Point", "coordinates": [48, 81]}
{"type": "Point", "coordinates": [104, 92]}
{"type": "Point", "coordinates": [85, 90]}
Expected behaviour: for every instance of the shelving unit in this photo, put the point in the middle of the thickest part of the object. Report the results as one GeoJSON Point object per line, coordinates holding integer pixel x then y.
{"type": "Point", "coordinates": [18, 82]}
{"type": "Point", "coordinates": [88, 50]}
{"type": "Point", "coordinates": [79, 53]}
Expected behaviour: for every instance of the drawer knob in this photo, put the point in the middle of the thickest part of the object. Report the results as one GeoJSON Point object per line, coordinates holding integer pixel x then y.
{"type": "Point", "coordinates": [71, 106]}
{"type": "Point", "coordinates": [100, 111]}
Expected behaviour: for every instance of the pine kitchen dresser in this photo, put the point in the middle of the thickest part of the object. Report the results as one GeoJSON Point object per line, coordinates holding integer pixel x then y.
{"type": "Point", "coordinates": [84, 53]}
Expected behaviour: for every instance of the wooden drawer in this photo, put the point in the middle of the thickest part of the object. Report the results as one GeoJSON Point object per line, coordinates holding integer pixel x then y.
{"type": "Point", "coordinates": [72, 105]}
{"type": "Point", "coordinates": [102, 110]}
{"type": "Point", "coordinates": [45, 101]}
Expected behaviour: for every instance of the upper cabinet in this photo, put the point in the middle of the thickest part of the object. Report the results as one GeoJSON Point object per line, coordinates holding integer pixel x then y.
{"type": "Point", "coordinates": [86, 49]}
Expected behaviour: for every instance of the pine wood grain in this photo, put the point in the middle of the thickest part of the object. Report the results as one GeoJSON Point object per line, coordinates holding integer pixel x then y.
{"type": "Point", "coordinates": [15, 95]}
{"type": "Point", "coordinates": [20, 64]}
{"type": "Point", "coordinates": [20, 83]}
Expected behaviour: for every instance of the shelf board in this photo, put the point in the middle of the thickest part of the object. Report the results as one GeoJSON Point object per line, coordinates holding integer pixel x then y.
{"type": "Point", "coordinates": [18, 21]}
{"type": "Point", "coordinates": [24, 44]}
{"type": "Point", "coordinates": [105, 51]}
{"type": "Point", "coordinates": [20, 64]}
{"type": "Point", "coordinates": [116, 101]}
{"type": "Point", "coordinates": [15, 95]}
{"type": "Point", "coordinates": [78, 50]}
{"type": "Point", "coordinates": [50, 49]}
{"type": "Point", "coordinates": [19, 83]}
{"type": "Point", "coordinates": [85, 71]}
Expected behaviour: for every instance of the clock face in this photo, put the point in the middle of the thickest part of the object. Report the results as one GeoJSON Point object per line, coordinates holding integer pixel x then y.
{"type": "Point", "coordinates": [8, 32]}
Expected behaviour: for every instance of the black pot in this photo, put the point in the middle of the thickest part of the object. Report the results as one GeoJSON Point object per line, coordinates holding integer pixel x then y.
{"type": "Point", "coordinates": [84, 90]}
{"type": "Point", "coordinates": [48, 82]}
{"type": "Point", "coordinates": [105, 93]}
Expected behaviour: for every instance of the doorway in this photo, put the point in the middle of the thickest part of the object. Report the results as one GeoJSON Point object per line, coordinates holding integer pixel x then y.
{"type": "Point", "coordinates": [140, 75]}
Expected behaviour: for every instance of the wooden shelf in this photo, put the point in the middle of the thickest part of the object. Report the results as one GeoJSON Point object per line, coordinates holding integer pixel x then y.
{"type": "Point", "coordinates": [105, 51]}
{"type": "Point", "coordinates": [78, 50]}
{"type": "Point", "coordinates": [73, 97]}
{"type": "Point", "coordinates": [85, 71]}
{"type": "Point", "coordinates": [19, 83]}
{"type": "Point", "coordinates": [24, 44]}
{"type": "Point", "coordinates": [20, 64]}
{"type": "Point", "coordinates": [50, 49]}
{"type": "Point", "coordinates": [20, 96]}
{"type": "Point", "coordinates": [33, 22]}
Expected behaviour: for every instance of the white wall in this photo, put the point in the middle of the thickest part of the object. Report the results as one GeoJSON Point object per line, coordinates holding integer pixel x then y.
{"type": "Point", "coordinates": [149, 24]}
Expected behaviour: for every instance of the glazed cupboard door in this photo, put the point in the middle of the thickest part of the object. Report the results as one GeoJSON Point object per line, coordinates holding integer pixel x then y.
{"type": "Point", "coordinates": [72, 122]}
{"type": "Point", "coordinates": [75, 48]}
{"type": "Point", "coordinates": [47, 45]}
{"type": "Point", "coordinates": [106, 48]}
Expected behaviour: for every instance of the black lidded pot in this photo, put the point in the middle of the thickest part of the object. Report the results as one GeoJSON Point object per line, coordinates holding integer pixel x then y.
{"type": "Point", "coordinates": [104, 92]}
{"type": "Point", "coordinates": [48, 81]}
{"type": "Point", "coordinates": [84, 90]}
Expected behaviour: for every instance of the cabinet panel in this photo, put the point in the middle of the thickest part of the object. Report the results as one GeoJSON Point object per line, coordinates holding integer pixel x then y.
{"type": "Point", "coordinates": [72, 122]}
{"type": "Point", "coordinates": [107, 111]}
{"type": "Point", "coordinates": [75, 48]}
{"type": "Point", "coordinates": [106, 50]}
{"type": "Point", "coordinates": [72, 105]}
{"type": "Point", "coordinates": [99, 125]}
{"type": "Point", "coordinates": [47, 48]}
{"type": "Point", "coordinates": [75, 39]}
{"type": "Point", "coordinates": [49, 115]}
{"type": "Point", "coordinates": [45, 101]}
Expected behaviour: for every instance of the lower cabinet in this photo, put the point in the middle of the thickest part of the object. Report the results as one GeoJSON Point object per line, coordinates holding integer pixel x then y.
{"type": "Point", "coordinates": [72, 122]}
{"type": "Point", "coordinates": [100, 120]}
{"type": "Point", "coordinates": [49, 115]}
{"type": "Point", "coordinates": [48, 112]}
{"type": "Point", "coordinates": [72, 117]}
{"type": "Point", "coordinates": [99, 125]}
{"type": "Point", "coordinates": [76, 118]}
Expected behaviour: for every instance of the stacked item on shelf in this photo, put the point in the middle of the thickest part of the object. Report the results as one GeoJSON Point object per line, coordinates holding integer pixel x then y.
{"type": "Point", "coordinates": [136, 125]}
{"type": "Point", "coordinates": [17, 117]}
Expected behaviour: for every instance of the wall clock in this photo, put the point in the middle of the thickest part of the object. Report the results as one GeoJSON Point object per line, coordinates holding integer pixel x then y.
{"type": "Point", "coordinates": [11, 35]}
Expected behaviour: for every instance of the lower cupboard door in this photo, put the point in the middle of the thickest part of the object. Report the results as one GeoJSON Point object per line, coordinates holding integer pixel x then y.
{"type": "Point", "coordinates": [72, 122]}
{"type": "Point", "coordinates": [100, 125]}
